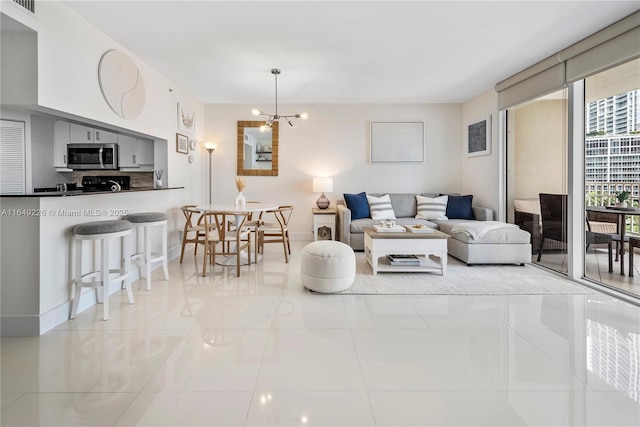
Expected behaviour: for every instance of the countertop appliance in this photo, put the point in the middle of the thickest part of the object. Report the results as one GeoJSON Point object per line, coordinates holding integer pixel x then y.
{"type": "Point", "coordinates": [92, 156]}
{"type": "Point", "coordinates": [105, 183]}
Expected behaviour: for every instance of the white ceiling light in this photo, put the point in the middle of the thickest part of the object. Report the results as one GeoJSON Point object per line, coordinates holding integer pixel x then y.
{"type": "Point", "coordinates": [273, 117]}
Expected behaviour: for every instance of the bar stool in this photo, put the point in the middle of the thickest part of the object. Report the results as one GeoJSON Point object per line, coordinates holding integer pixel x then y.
{"type": "Point", "coordinates": [144, 221]}
{"type": "Point", "coordinates": [100, 280]}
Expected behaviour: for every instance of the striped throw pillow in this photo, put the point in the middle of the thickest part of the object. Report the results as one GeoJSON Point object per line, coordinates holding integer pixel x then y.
{"type": "Point", "coordinates": [380, 207]}
{"type": "Point", "coordinates": [432, 208]}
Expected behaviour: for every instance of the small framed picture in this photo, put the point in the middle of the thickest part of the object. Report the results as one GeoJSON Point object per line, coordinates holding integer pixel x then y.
{"type": "Point", "coordinates": [186, 118]}
{"type": "Point", "coordinates": [479, 137]}
{"type": "Point", "coordinates": [182, 144]}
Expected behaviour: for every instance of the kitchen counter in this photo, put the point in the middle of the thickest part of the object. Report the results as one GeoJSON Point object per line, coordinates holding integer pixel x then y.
{"type": "Point", "coordinates": [81, 193]}
{"type": "Point", "coordinates": [88, 193]}
{"type": "Point", "coordinates": [35, 266]}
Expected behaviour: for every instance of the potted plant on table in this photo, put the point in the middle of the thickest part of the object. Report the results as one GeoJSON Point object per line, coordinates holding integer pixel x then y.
{"type": "Point", "coordinates": [622, 197]}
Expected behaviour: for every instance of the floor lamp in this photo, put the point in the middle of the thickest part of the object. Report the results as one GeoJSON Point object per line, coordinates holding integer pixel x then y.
{"type": "Point", "coordinates": [210, 146]}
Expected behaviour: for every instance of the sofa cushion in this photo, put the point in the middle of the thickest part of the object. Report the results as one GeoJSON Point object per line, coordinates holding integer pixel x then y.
{"type": "Point", "coordinates": [358, 205]}
{"type": "Point", "coordinates": [358, 225]}
{"type": "Point", "coordinates": [431, 208]}
{"type": "Point", "coordinates": [380, 207]}
{"type": "Point", "coordinates": [404, 205]}
{"type": "Point", "coordinates": [501, 235]}
{"type": "Point", "coordinates": [459, 207]}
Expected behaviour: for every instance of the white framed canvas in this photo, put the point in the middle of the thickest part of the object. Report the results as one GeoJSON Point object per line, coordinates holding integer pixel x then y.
{"type": "Point", "coordinates": [186, 118]}
{"type": "Point", "coordinates": [397, 142]}
{"type": "Point", "coordinates": [478, 137]}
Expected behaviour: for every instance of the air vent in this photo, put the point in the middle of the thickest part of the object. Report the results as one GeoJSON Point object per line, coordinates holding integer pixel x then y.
{"type": "Point", "coordinates": [30, 5]}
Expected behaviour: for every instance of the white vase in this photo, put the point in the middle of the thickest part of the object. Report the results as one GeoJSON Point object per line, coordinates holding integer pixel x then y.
{"type": "Point", "coordinates": [621, 205]}
{"type": "Point", "coordinates": [240, 200]}
{"type": "Point", "coordinates": [158, 183]}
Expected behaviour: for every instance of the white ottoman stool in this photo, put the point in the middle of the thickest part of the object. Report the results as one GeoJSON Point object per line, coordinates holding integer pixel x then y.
{"type": "Point", "coordinates": [327, 266]}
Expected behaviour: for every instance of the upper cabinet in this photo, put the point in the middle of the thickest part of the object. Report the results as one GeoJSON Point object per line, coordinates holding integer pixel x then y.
{"type": "Point", "coordinates": [85, 134]}
{"type": "Point", "coordinates": [60, 141]}
{"type": "Point", "coordinates": [135, 153]}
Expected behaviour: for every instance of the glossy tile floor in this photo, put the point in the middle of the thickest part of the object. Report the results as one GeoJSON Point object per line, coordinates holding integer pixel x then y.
{"type": "Point", "coordinates": [597, 268]}
{"type": "Point", "coordinates": [260, 350]}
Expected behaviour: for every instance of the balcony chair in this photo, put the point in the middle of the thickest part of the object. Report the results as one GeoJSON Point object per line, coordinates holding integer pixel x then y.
{"type": "Point", "coordinates": [634, 242]}
{"type": "Point", "coordinates": [553, 208]}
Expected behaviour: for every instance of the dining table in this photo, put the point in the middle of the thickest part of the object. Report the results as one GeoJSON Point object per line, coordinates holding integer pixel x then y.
{"type": "Point", "coordinates": [238, 213]}
{"type": "Point", "coordinates": [622, 213]}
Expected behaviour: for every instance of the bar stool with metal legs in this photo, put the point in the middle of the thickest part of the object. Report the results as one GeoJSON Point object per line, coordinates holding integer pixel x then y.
{"type": "Point", "coordinates": [144, 221]}
{"type": "Point", "coordinates": [101, 279]}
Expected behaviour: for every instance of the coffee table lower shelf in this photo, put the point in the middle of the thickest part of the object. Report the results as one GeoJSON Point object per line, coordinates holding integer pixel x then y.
{"type": "Point", "coordinates": [428, 264]}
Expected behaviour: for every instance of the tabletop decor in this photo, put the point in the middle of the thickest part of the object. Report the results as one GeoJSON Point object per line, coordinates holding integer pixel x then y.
{"type": "Point", "coordinates": [621, 197]}
{"type": "Point", "coordinates": [240, 185]}
{"type": "Point", "coordinates": [158, 173]}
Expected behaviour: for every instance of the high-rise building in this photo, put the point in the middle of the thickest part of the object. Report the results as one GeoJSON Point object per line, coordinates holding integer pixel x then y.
{"type": "Point", "coordinates": [612, 148]}
{"type": "Point", "coordinates": [615, 115]}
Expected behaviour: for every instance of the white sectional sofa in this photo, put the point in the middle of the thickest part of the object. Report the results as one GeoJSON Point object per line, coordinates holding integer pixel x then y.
{"type": "Point", "coordinates": [509, 245]}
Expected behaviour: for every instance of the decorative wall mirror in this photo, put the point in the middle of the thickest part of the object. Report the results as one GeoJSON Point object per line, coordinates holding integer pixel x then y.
{"type": "Point", "coordinates": [257, 152]}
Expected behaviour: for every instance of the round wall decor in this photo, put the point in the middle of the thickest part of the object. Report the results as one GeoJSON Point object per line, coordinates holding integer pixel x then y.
{"type": "Point", "coordinates": [121, 84]}
{"type": "Point", "coordinates": [190, 158]}
{"type": "Point", "coordinates": [192, 144]}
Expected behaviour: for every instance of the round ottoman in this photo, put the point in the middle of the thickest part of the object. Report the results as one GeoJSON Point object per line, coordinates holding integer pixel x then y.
{"type": "Point", "coordinates": [327, 266]}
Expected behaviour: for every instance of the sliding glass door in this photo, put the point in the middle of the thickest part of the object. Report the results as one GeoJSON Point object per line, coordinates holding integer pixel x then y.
{"type": "Point", "coordinates": [537, 175]}
{"type": "Point", "coordinates": [612, 171]}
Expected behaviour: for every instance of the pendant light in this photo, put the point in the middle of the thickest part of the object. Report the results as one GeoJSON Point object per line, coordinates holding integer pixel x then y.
{"type": "Point", "coordinates": [274, 117]}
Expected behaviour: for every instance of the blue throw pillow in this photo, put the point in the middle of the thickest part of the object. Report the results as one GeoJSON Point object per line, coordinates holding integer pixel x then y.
{"type": "Point", "coordinates": [459, 207]}
{"type": "Point", "coordinates": [358, 205]}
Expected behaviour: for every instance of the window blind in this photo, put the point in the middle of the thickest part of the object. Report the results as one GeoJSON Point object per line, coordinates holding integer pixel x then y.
{"type": "Point", "coordinates": [614, 45]}
{"type": "Point", "coordinates": [12, 157]}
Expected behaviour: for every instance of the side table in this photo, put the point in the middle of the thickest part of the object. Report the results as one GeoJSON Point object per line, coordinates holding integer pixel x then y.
{"type": "Point", "coordinates": [324, 224]}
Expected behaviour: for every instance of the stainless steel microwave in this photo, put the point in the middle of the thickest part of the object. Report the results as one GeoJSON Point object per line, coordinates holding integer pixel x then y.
{"type": "Point", "coordinates": [92, 156]}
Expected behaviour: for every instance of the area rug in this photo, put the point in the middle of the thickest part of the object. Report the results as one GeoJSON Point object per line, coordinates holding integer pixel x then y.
{"type": "Point", "coordinates": [463, 280]}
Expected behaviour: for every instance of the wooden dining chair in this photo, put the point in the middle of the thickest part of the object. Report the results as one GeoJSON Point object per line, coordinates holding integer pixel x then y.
{"type": "Point", "coordinates": [231, 242]}
{"type": "Point", "coordinates": [276, 232]}
{"type": "Point", "coordinates": [193, 231]}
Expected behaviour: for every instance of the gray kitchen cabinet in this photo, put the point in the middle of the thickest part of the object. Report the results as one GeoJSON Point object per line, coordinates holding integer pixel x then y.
{"type": "Point", "coordinates": [144, 152]}
{"type": "Point", "coordinates": [60, 141]}
{"type": "Point", "coordinates": [135, 152]}
{"type": "Point", "coordinates": [127, 152]}
{"type": "Point", "coordinates": [86, 134]}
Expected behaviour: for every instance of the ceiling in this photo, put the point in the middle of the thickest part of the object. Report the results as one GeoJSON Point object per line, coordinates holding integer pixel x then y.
{"type": "Point", "coordinates": [345, 51]}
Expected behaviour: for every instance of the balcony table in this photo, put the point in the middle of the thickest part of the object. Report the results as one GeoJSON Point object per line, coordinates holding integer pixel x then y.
{"type": "Point", "coordinates": [621, 224]}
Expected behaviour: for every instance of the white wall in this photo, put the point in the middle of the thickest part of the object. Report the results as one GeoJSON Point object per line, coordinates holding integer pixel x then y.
{"type": "Point", "coordinates": [69, 52]}
{"type": "Point", "coordinates": [334, 141]}
{"type": "Point", "coordinates": [44, 174]}
{"type": "Point", "coordinates": [480, 174]}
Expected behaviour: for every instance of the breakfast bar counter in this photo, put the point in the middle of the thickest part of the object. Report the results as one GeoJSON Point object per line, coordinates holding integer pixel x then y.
{"type": "Point", "coordinates": [35, 250]}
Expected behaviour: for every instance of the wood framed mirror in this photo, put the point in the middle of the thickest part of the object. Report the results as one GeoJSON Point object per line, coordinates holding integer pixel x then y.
{"type": "Point", "coordinates": [257, 152]}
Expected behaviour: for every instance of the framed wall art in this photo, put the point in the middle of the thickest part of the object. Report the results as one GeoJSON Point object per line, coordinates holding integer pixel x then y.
{"type": "Point", "coordinates": [182, 144]}
{"type": "Point", "coordinates": [478, 137]}
{"type": "Point", "coordinates": [186, 118]}
{"type": "Point", "coordinates": [397, 142]}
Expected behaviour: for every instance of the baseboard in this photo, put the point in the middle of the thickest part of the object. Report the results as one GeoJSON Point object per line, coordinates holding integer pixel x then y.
{"type": "Point", "coordinates": [38, 325]}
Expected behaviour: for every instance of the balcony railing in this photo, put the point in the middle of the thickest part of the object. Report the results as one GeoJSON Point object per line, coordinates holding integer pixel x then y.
{"type": "Point", "coordinates": [603, 194]}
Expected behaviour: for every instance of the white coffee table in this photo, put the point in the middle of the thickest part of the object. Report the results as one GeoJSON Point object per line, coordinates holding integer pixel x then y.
{"type": "Point", "coordinates": [427, 246]}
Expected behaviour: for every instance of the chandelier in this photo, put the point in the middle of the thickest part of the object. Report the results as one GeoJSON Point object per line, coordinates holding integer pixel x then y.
{"type": "Point", "coordinates": [274, 117]}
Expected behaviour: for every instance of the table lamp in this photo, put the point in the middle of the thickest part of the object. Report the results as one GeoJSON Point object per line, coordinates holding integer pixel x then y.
{"type": "Point", "coordinates": [322, 185]}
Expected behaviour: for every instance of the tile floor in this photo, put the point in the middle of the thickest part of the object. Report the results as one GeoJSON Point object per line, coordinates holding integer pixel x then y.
{"type": "Point", "coordinates": [260, 350]}
{"type": "Point", "coordinates": [597, 268]}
